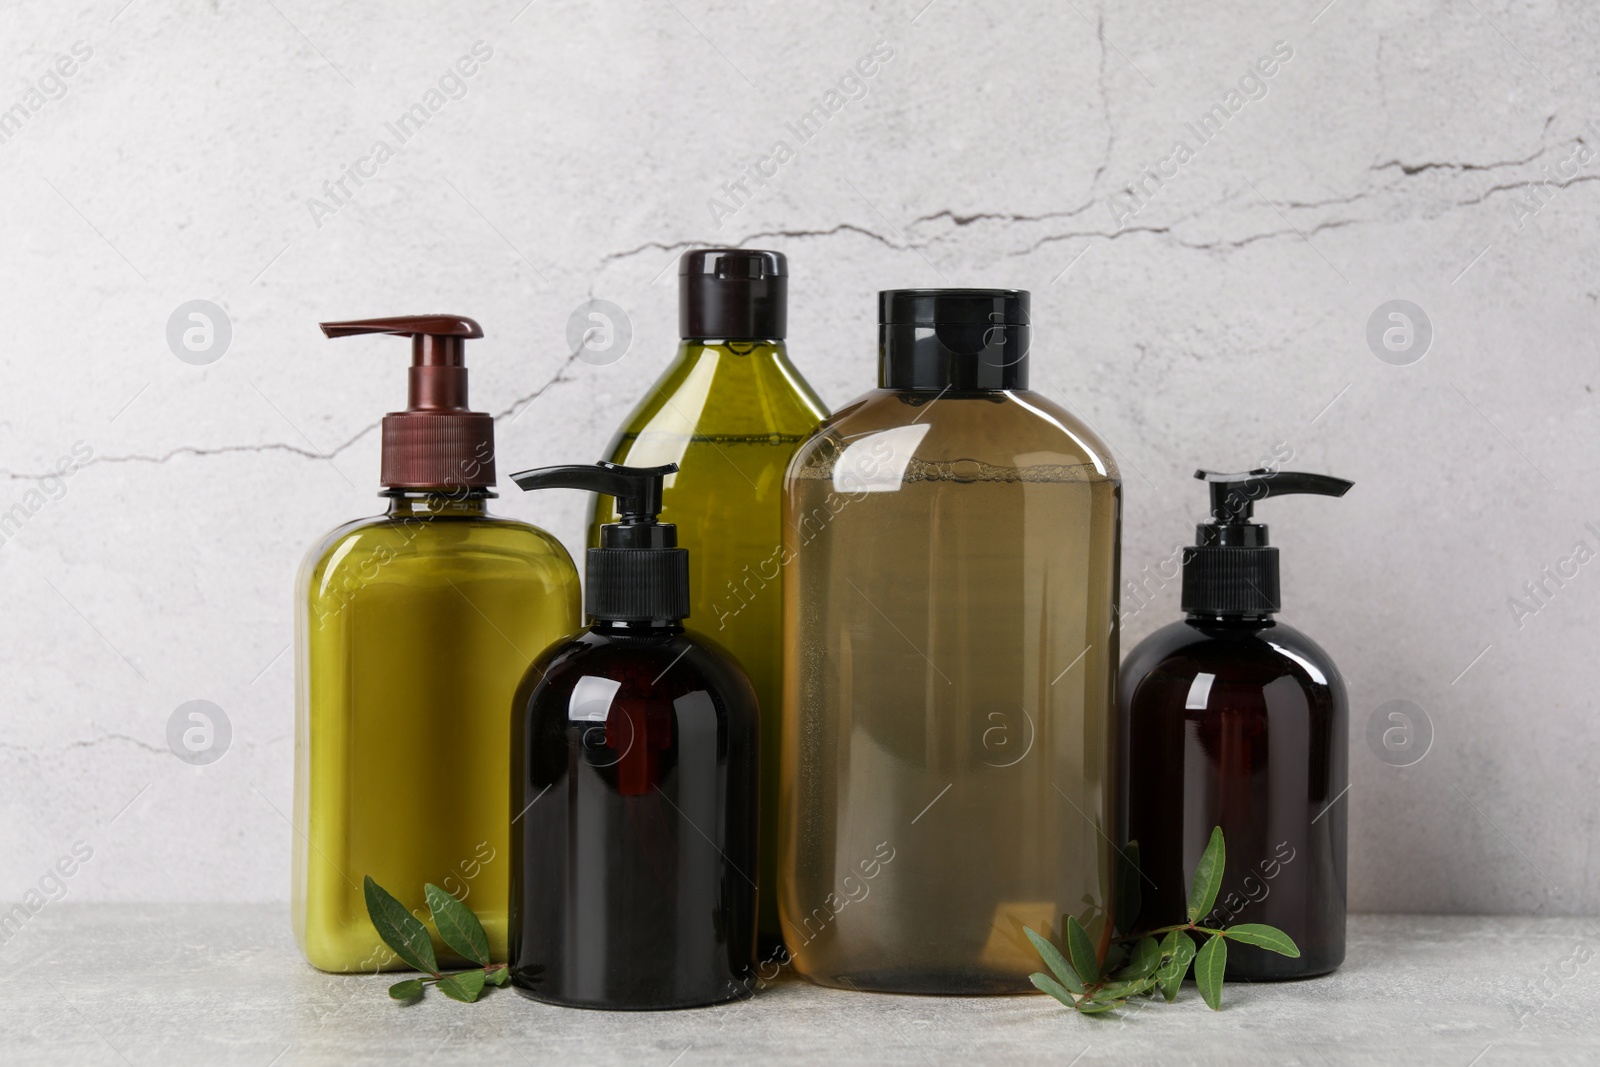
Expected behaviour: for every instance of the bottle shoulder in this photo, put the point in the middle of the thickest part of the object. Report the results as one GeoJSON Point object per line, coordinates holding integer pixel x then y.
{"type": "Point", "coordinates": [661, 669]}
{"type": "Point", "coordinates": [390, 541]}
{"type": "Point", "coordinates": [969, 433]}
{"type": "Point", "coordinates": [731, 390]}
{"type": "Point", "coordinates": [1185, 649]}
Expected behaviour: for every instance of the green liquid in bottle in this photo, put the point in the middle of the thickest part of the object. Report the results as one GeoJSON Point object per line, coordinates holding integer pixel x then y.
{"type": "Point", "coordinates": [731, 415]}
{"type": "Point", "coordinates": [414, 629]}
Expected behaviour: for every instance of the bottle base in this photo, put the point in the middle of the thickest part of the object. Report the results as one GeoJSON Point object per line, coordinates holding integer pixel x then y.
{"type": "Point", "coordinates": [928, 982]}
{"type": "Point", "coordinates": [1318, 969]}
{"type": "Point", "coordinates": [590, 1005]}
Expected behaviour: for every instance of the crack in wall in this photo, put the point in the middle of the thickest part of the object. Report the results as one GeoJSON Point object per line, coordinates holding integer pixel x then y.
{"type": "Point", "coordinates": [125, 738]}
{"type": "Point", "coordinates": [1330, 224]}
{"type": "Point", "coordinates": [1200, 246]}
{"type": "Point", "coordinates": [58, 748]}
{"type": "Point", "coordinates": [960, 220]}
{"type": "Point", "coordinates": [513, 409]}
{"type": "Point", "coordinates": [520, 404]}
{"type": "Point", "coordinates": [684, 246]}
{"type": "Point", "coordinates": [1336, 200]}
{"type": "Point", "coordinates": [1105, 103]}
{"type": "Point", "coordinates": [1409, 169]}
{"type": "Point", "coordinates": [1514, 186]}
{"type": "Point", "coordinates": [195, 450]}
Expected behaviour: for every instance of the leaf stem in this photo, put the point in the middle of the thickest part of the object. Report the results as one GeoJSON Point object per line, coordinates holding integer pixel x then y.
{"type": "Point", "coordinates": [1168, 929]}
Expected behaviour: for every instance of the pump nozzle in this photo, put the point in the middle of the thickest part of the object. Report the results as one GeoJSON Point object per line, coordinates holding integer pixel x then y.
{"type": "Point", "coordinates": [437, 442]}
{"type": "Point", "coordinates": [1231, 571]}
{"type": "Point", "coordinates": [636, 489]}
{"type": "Point", "coordinates": [1234, 495]}
{"type": "Point", "coordinates": [638, 574]}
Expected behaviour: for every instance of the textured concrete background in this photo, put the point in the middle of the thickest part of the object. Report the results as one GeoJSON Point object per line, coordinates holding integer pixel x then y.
{"type": "Point", "coordinates": [1440, 152]}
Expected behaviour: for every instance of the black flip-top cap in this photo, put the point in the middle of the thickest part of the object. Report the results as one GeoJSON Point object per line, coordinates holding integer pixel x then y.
{"type": "Point", "coordinates": [733, 294]}
{"type": "Point", "coordinates": [969, 340]}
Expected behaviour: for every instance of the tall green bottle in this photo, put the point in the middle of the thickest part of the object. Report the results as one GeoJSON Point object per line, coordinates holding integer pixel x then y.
{"type": "Point", "coordinates": [730, 412]}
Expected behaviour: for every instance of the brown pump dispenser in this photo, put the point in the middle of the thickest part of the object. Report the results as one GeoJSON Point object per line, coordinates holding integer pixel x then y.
{"type": "Point", "coordinates": [436, 443]}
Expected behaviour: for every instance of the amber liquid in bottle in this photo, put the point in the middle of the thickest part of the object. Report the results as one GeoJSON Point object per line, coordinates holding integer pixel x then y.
{"type": "Point", "coordinates": [1241, 723]}
{"type": "Point", "coordinates": [947, 752]}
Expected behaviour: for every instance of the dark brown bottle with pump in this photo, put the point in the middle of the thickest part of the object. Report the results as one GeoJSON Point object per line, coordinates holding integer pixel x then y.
{"type": "Point", "coordinates": [634, 755]}
{"type": "Point", "coordinates": [1231, 718]}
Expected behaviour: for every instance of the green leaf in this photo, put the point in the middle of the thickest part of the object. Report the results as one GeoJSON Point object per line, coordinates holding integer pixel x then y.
{"type": "Point", "coordinates": [1209, 964]}
{"type": "Point", "coordinates": [1054, 988]}
{"type": "Point", "coordinates": [1124, 990]}
{"type": "Point", "coordinates": [1145, 959]}
{"type": "Point", "coordinates": [458, 927]}
{"type": "Point", "coordinates": [1262, 936]}
{"type": "Point", "coordinates": [1207, 877]}
{"type": "Point", "coordinates": [399, 929]}
{"type": "Point", "coordinates": [463, 985]}
{"type": "Point", "coordinates": [1089, 1006]}
{"type": "Point", "coordinates": [1178, 951]}
{"type": "Point", "coordinates": [1128, 888]}
{"type": "Point", "coordinates": [498, 975]}
{"type": "Point", "coordinates": [1055, 961]}
{"type": "Point", "coordinates": [1081, 949]}
{"type": "Point", "coordinates": [410, 989]}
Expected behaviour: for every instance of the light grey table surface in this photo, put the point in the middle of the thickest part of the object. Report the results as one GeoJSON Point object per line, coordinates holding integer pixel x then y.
{"type": "Point", "coordinates": [223, 984]}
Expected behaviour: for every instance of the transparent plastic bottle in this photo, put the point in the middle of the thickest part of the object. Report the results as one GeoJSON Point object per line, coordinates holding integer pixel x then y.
{"type": "Point", "coordinates": [413, 630]}
{"type": "Point", "coordinates": [730, 411]}
{"type": "Point", "coordinates": [951, 541]}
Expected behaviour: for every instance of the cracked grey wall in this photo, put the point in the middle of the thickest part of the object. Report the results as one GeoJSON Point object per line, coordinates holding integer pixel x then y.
{"type": "Point", "coordinates": [1434, 151]}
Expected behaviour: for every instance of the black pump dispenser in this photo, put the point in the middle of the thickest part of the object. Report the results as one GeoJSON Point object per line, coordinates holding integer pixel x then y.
{"type": "Point", "coordinates": [638, 574]}
{"type": "Point", "coordinates": [1231, 571]}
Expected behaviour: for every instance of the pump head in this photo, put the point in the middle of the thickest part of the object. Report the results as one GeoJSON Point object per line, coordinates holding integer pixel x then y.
{"type": "Point", "coordinates": [1231, 571]}
{"type": "Point", "coordinates": [637, 490]}
{"type": "Point", "coordinates": [638, 574]}
{"type": "Point", "coordinates": [437, 443]}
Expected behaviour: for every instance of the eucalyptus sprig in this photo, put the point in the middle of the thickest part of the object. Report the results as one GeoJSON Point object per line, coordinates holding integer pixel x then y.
{"type": "Point", "coordinates": [458, 928]}
{"type": "Point", "coordinates": [1079, 982]}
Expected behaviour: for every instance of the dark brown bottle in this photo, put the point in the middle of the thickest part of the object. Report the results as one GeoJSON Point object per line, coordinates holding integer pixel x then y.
{"type": "Point", "coordinates": [634, 754]}
{"type": "Point", "coordinates": [1230, 718]}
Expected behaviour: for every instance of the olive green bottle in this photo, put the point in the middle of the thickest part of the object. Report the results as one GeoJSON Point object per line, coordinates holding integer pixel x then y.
{"type": "Point", "coordinates": [730, 411]}
{"type": "Point", "coordinates": [413, 630]}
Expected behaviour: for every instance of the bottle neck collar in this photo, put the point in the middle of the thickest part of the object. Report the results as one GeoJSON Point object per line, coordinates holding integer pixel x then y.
{"type": "Point", "coordinates": [438, 503]}
{"type": "Point", "coordinates": [637, 627]}
{"type": "Point", "coordinates": [721, 346]}
{"type": "Point", "coordinates": [1251, 622]}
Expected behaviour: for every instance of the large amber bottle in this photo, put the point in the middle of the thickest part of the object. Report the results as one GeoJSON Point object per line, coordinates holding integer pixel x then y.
{"type": "Point", "coordinates": [730, 411]}
{"type": "Point", "coordinates": [949, 664]}
{"type": "Point", "coordinates": [413, 631]}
